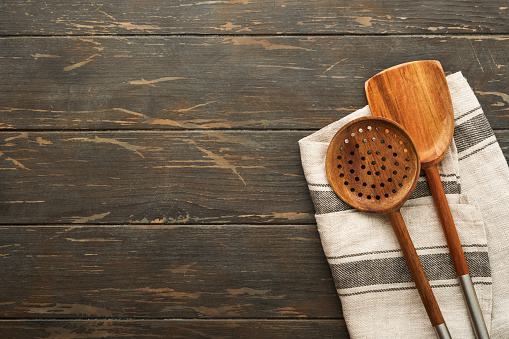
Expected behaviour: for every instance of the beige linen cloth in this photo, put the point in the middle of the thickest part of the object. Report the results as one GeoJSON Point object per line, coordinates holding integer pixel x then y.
{"type": "Point", "coordinates": [378, 296]}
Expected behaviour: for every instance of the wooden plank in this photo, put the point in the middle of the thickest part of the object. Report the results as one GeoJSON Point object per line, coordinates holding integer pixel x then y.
{"type": "Point", "coordinates": [223, 82]}
{"type": "Point", "coordinates": [159, 272]}
{"type": "Point", "coordinates": [153, 177]}
{"type": "Point", "coordinates": [148, 177]}
{"type": "Point", "coordinates": [175, 329]}
{"type": "Point", "coordinates": [251, 17]}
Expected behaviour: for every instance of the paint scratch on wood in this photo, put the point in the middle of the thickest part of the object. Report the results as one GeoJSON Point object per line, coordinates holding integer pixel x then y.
{"type": "Point", "coordinates": [220, 161]}
{"type": "Point", "coordinates": [43, 142]}
{"type": "Point", "coordinates": [261, 42]}
{"type": "Point", "coordinates": [149, 120]}
{"type": "Point", "coordinates": [79, 64]}
{"type": "Point", "coordinates": [246, 290]}
{"type": "Point", "coordinates": [334, 65]}
{"type": "Point", "coordinates": [78, 309]}
{"type": "Point", "coordinates": [92, 240]}
{"type": "Point", "coordinates": [475, 54]}
{"type": "Point", "coordinates": [152, 82]}
{"type": "Point", "coordinates": [288, 67]}
{"type": "Point", "coordinates": [130, 26]}
{"type": "Point", "coordinates": [14, 161]}
{"type": "Point", "coordinates": [364, 20]}
{"type": "Point", "coordinates": [24, 201]}
{"type": "Point", "coordinates": [123, 144]}
{"type": "Point", "coordinates": [195, 106]}
{"type": "Point", "coordinates": [82, 220]}
{"type": "Point", "coordinates": [23, 135]}
{"type": "Point", "coordinates": [39, 55]}
{"type": "Point", "coordinates": [504, 96]}
{"type": "Point", "coordinates": [184, 269]}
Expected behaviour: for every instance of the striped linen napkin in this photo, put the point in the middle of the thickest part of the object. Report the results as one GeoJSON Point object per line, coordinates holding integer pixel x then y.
{"type": "Point", "coordinates": [378, 296]}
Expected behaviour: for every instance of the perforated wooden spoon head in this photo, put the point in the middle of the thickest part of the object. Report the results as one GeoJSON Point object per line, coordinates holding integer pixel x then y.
{"type": "Point", "coordinates": [372, 165]}
{"type": "Point", "coordinates": [416, 95]}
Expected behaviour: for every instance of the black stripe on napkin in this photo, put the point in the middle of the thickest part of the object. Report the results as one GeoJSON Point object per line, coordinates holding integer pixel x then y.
{"type": "Point", "coordinates": [386, 271]}
{"type": "Point", "coordinates": [328, 202]}
{"type": "Point", "coordinates": [472, 132]}
{"type": "Point", "coordinates": [389, 289]}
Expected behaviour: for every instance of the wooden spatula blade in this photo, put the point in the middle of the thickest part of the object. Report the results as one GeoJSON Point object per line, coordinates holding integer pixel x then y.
{"type": "Point", "coordinates": [416, 95]}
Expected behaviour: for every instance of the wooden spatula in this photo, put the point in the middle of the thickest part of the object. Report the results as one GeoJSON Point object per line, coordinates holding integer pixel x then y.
{"type": "Point", "coordinates": [416, 95]}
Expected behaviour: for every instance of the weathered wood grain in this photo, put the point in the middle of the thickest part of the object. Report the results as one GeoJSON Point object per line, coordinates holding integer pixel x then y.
{"type": "Point", "coordinates": [223, 82]}
{"type": "Point", "coordinates": [161, 272]}
{"type": "Point", "coordinates": [251, 17]}
{"type": "Point", "coordinates": [65, 329]}
{"type": "Point", "coordinates": [149, 177]}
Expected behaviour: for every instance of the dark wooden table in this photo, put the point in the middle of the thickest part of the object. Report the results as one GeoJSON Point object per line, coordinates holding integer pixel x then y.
{"type": "Point", "coordinates": [151, 183]}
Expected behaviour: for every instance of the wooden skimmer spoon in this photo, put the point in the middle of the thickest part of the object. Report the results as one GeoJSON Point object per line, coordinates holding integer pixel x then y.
{"type": "Point", "coordinates": [416, 95]}
{"type": "Point", "coordinates": [373, 165]}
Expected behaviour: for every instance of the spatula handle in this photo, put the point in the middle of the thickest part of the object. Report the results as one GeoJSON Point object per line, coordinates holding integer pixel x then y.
{"type": "Point", "coordinates": [457, 255]}
{"type": "Point", "coordinates": [414, 264]}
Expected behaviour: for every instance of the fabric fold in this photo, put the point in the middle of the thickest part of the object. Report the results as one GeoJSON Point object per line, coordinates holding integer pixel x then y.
{"type": "Point", "coordinates": [378, 296]}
